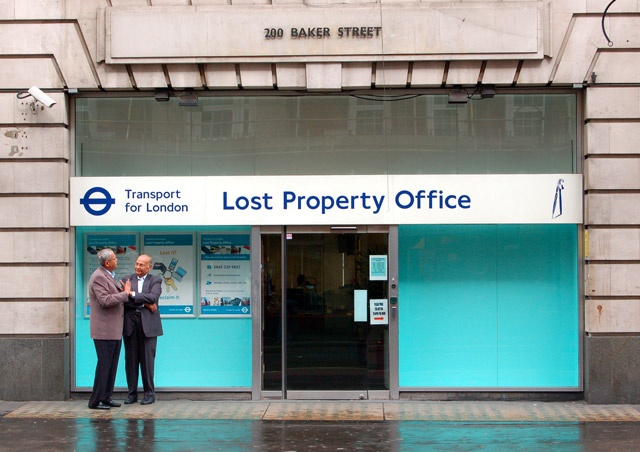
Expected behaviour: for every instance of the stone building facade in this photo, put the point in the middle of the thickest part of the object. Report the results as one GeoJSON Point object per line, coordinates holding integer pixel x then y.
{"type": "Point", "coordinates": [71, 48]}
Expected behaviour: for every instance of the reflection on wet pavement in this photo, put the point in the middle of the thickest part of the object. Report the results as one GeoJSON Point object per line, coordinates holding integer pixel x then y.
{"type": "Point", "coordinates": [35, 434]}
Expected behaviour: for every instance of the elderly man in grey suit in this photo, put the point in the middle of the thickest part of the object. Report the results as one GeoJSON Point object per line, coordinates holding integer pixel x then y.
{"type": "Point", "coordinates": [106, 298]}
{"type": "Point", "coordinates": [142, 326]}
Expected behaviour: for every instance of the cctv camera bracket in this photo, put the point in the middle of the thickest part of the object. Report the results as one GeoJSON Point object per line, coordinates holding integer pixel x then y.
{"type": "Point", "coordinates": [33, 105]}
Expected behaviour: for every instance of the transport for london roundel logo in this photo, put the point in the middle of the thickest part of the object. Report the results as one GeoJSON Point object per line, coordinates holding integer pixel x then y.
{"type": "Point", "coordinates": [103, 201]}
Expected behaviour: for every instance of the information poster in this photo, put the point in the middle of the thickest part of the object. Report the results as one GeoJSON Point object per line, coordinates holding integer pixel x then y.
{"type": "Point", "coordinates": [378, 268]}
{"type": "Point", "coordinates": [124, 245]}
{"type": "Point", "coordinates": [173, 258]}
{"type": "Point", "coordinates": [225, 275]}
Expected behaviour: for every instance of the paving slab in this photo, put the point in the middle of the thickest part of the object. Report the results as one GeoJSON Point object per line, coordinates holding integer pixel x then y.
{"type": "Point", "coordinates": [467, 411]}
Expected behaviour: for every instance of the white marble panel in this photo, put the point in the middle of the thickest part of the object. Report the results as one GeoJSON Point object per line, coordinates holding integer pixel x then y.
{"type": "Point", "coordinates": [614, 244]}
{"type": "Point", "coordinates": [499, 72]}
{"type": "Point", "coordinates": [39, 9]}
{"type": "Point", "coordinates": [148, 76]}
{"type": "Point", "coordinates": [616, 208]}
{"type": "Point", "coordinates": [65, 43]}
{"type": "Point", "coordinates": [19, 73]}
{"type": "Point", "coordinates": [535, 72]}
{"type": "Point", "coordinates": [114, 76]}
{"type": "Point", "coordinates": [130, 2]}
{"type": "Point", "coordinates": [221, 76]}
{"type": "Point", "coordinates": [34, 212]}
{"type": "Point", "coordinates": [209, 2]}
{"type": "Point", "coordinates": [324, 76]}
{"type": "Point", "coordinates": [356, 75]}
{"type": "Point", "coordinates": [256, 76]}
{"type": "Point", "coordinates": [109, 76]}
{"type": "Point", "coordinates": [427, 74]}
{"type": "Point", "coordinates": [612, 279]}
{"type": "Point", "coordinates": [613, 102]}
{"type": "Point", "coordinates": [598, 6]}
{"type": "Point", "coordinates": [613, 138]}
{"type": "Point", "coordinates": [184, 76]}
{"type": "Point", "coordinates": [82, 9]}
{"type": "Point", "coordinates": [34, 246]}
{"type": "Point", "coordinates": [41, 177]}
{"type": "Point", "coordinates": [7, 10]}
{"type": "Point", "coordinates": [55, 212]}
{"type": "Point", "coordinates": [612, 316]}
{"type": "Point", "coordinates": [7, 177]}
{"type": "Point", "coordinates": [34, 142]}
{"type": "Point", "coordinates": [579, 49]}
{"type": "Point", "coordinates": [291, 75]}
{"type": "Point", "coordinates": [391, 74]}
{"type": "Point", "coordinates": [170, 2]}
{"type": "Point", "coordinates": [616, 67]}
{"type": "Point", "coordinates": [570, 6]}
{"type": "Point", "coordinates": [34, 317]}
{"type": "Point", "coordinates": [463, 73]}
{"type": "Point", "coordinates": [288, 2]}
{"type": "Point", "coordinates": [61, 40]}
{"type": "Point", "coordinates": [612, 173]}
{"type": "Point", "coordinates": [43, 282]}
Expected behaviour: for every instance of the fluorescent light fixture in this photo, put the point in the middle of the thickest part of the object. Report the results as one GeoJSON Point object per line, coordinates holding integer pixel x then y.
{"type": "Point", "coordinates": [162, 95]}
{"type": "Point", "coordinates": [487, 91]}
{"type": "Point", "coordinates": [188, 99]}
{"type": "Point", "coordinates": [458, 96]}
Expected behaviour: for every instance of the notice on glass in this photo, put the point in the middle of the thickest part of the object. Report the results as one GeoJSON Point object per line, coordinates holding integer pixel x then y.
{"type": "Point", "coordinates": [225, 275]}
{"type": "Point", "coordinates": [173, 258]}
{"type": "Point", "coordinates": [124, 245]}
{"type": "Point", "coordinates": [359, 305]}
{"type": "Point", "coordinates": [377, 268]}
{"type": "Point", "coordinates": [378, 312]}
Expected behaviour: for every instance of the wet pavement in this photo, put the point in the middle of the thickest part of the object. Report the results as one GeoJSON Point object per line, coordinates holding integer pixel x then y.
{"type": "Point", "coordinates": [320, 426]}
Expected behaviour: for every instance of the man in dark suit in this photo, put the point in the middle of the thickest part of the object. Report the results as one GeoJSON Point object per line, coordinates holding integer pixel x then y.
{"type": "Point", "coordinates": [142, 326]}
{"type": "Point", "coordinates": [106, 300]}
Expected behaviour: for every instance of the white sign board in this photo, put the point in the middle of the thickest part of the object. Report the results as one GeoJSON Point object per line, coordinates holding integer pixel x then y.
{"type": "Point", "coordinates": [327, 200]}
{"type": "Point", "coordinates": [378, 312]}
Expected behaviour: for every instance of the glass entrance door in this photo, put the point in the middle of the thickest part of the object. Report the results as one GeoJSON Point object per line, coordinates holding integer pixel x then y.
{"type": "Point", "coordinates": [319, 338]}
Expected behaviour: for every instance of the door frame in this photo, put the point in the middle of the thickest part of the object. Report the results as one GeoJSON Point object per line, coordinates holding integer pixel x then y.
{"type": "Point", "coordinates": [257, 393]}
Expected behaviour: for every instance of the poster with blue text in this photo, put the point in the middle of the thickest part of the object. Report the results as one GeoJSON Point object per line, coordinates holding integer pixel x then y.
{"type": "Point", "coordinates": [225, 275]}
{"type": "Point", "coordinates": [125, 246]}
{"type": "Point", "coordinates": [173, 259]}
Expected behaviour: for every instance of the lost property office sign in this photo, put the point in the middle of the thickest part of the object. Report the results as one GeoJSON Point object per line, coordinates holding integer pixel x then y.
{"type": "Point", "coordinates": [326, 200]}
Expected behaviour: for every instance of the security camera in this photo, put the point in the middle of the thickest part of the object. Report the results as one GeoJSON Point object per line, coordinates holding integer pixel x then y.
{"type": "Point", "coordinates": [41, 97]}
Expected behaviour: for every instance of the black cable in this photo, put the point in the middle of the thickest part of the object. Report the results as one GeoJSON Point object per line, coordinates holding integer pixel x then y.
{"type": "Point", "coordinates": [609, 41]}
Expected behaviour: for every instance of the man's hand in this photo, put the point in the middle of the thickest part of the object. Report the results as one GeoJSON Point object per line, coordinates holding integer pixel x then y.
{"type": "Point", "coordinates": [151, 307]}
{"type": "Point", "coordinates": [126, 287]}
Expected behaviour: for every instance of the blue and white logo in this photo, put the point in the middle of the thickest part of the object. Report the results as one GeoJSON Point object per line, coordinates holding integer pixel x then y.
{"type": "Point", "coordinates": [103, 199]}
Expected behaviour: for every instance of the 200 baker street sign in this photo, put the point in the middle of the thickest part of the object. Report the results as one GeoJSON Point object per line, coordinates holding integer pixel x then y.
{"type": "Point", "coordinates": [323, 32]}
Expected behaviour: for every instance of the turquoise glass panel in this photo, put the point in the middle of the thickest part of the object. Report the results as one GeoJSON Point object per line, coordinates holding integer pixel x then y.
{"type": "Point", "coordinates": [488, 306]}
{"type": "Point", "coordinates": [537, 309]}
{"type": "Point", "coordinates": [447, 306]}
{"type": "Point", "coordinates": [192, 353]}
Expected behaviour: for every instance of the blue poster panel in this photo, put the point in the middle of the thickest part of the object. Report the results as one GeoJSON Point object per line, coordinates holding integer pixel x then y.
{"type": "Point", "coordinates": [125, 245]}
{"type": "Point", "coordinates": [173, 257]}
{"type": "Point", "coordinates": [225, 275]}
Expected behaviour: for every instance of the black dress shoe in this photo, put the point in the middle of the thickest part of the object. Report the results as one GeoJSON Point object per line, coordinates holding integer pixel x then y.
{"type": "Point", "coordinates": [100, 406]}
{"type": "Point", "coordinates": [148, 400]}
{"type": "Point", "coordinates": [111, 403]}
{"type": "Point", "coordinates": [130, 400]}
